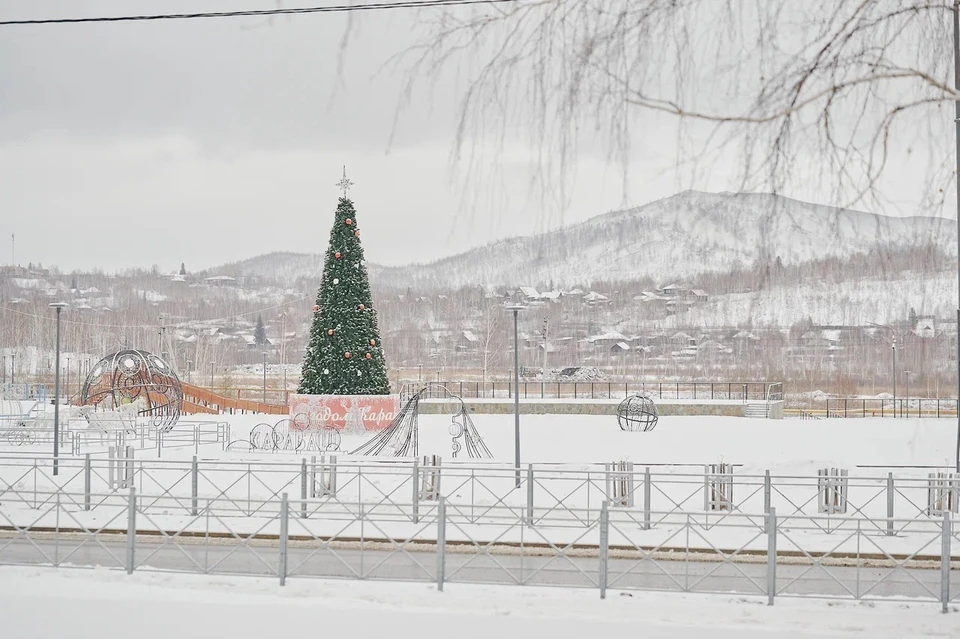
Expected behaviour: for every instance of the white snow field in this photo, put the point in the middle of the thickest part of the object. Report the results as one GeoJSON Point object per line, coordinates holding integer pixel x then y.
{"type": "Point", "coordinates": [97, 604]}
{"type": "Point", "coordinates": [782, 445]}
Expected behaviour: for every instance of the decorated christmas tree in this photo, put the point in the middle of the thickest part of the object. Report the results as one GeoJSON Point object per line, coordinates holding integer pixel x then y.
{"type": "Point", "coordinates": [344, 356]}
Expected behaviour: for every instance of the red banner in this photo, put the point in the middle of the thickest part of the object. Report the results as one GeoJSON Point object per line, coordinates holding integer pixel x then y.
{"type": "Point", "coordinates": [354, 413]}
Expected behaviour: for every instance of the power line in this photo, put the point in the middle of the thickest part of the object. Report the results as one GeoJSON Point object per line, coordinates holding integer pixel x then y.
{"type": "Point", "coordinates": [400, 4]}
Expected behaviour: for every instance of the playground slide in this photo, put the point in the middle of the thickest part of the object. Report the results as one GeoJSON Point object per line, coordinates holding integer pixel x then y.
{"type": "Point", "coordinates": [201, 400]}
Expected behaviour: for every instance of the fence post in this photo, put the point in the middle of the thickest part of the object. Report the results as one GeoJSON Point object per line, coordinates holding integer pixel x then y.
{"type": "Point", "coordinates": [303, 488]}
{"type": "Point", "coordinates": [604, 547]}
{"type": "Point", "coordinates": [194, 485]}
{"type": "Point", "coordinates": [890, 498]}
{"type": "Point", "coordinates": [86, 482]}
{"type": "Point", "coordinates": [415, 514]}
{"type": "Point", "coordinates": [284, 523]}
{"type": "Point", "coordinates": [129, 478]}
{"type": "Point", "coordinates": [131, 529]}
{"type": "Point", "coordinates": [441, 541]}
{"type": "Point", "coordinates": [313, 475]}
{"type": "Point", "coordinates": [111, 462]}
{"type": "Point", "coordinates": [530, 494]}
{"type": "Point", "coordinates": [945, 561]}
{"type": "Point", "coordinates": [771, 556]}
{"type": "Point", "coordinates": [646, 498]}
{"type": "Point", "coordinates": [767, 494]}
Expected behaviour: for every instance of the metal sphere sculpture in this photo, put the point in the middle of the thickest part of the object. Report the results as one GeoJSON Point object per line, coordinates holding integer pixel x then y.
{"type": "Point", "coordinates": [637, 414]}
{"type": "Point", "coordinates": [131, 376]}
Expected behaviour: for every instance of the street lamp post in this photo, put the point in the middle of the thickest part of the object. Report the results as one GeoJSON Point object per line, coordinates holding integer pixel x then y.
{"type": "Point", "coordinates": [211, 377]}
{"type": "Point", "coordinates": [515, 309]}
{"type": "Point", "coordinates": [956, 84]}
{"type": "Point", "coordinates": [56, 393]}
{"type": "Point", "coordinates": [894, 349]}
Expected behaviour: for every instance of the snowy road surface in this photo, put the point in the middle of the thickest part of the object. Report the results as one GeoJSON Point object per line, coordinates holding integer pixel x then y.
{"type": "Point", "coordinates": [41, 602]}
{"type": "Point", "coordinates": [227, 557]}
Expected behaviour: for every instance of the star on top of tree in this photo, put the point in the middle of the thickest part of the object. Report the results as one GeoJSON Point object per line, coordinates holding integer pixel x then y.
{"type": "Point", "coordinates": [344, 184]}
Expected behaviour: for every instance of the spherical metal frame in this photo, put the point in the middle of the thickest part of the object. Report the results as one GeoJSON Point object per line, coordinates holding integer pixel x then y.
{"type": "Point", "coordinates": [637, 414]}
{"type": "Point", "coordinates": [131, 375]}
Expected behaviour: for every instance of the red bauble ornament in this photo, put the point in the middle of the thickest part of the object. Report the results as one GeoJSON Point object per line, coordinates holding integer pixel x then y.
{"type": "Point", "coordinates": [347, 355]}
{"type": "Point", "coordinates": [362, 307]}
{"type": "Point", "coordinates": [329, 331]}
{"type": "Point", "coordinates": [356, 233]}
{"type": "Point", "coordinates": [337, 255]}
{"type": "Point", "coordinates": [373, 342]}
{"type": "Point", "coordinates": [369, 355]}
{"type": "Point", "coordinates": [315, 308]}
{"type": "Point", "coordinates": [348, 221]}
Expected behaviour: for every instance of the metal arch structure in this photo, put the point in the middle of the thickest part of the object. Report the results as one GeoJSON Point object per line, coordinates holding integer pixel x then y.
{"type": "Point", "coordinates": [400, 438]}
{"type": "Point", "coordinates": [637, 414]}
{"type": "Point", "coordinates": [463, 432]}
{"type": "Point", "coordinates": [131, 375]}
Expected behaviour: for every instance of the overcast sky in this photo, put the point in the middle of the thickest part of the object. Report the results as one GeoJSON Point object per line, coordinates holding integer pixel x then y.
{"type": "Point", "coordinates": [208, 141]}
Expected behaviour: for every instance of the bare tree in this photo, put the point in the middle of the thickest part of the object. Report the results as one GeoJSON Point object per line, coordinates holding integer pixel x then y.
{"type": "Point", "coordinates": [824, 92]}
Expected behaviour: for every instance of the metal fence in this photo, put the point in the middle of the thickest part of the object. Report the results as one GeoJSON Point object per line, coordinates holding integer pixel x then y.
{"type": "Point", "coordinates": [916, 407]}
{"type": "Point", "coordinates": [765, 555]}
{"type": "Point", "coordinates": [545, 492]}
{"type": "Point", "coordinates": [740, 391]}
{"type": "Point", "coordinates": [28, 436]}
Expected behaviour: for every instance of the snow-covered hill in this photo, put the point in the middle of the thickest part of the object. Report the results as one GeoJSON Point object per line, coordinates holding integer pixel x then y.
{"type": "Point", "coordinates": [675, 238]}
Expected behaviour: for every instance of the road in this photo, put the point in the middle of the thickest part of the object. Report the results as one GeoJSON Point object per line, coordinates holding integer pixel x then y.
{"type": "Point", "coordinates": [385, 562]}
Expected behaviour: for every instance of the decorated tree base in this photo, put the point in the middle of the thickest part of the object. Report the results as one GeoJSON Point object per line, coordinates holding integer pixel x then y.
{"type": "Point", "coordinates": [350, 414]}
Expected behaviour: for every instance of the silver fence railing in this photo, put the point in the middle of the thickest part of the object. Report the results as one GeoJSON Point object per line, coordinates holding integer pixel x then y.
{"type": "Point", "coordinates": [143, 436]}
{"type": "Point", "coordinates": [546, 492]}
{"type": "Point", "coordinates": [766, 555]}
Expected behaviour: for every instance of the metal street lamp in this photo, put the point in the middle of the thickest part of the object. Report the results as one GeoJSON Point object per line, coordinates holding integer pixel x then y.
{"type": "Point", "coordinates": [189, 367]}
{"type": "Point", "coordinates": [956, 84]}
{"type": "Point", "coordinates": [515, 309]}
{"type": "Point", "coordinates": [894, 348]}
{"type": "Point", "coordinates": [56, 393]}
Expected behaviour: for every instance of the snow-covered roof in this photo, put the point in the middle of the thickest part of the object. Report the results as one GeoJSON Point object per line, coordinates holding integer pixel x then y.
{"type": "Point", "coordinates": [608, 336]}
{"type": "Point", "coordinates": [699, 292]}
{"type": "Point", "coordinates": [623, 346]}
{"type": "Point", "coordinates": [470, 336]}
{"type": "Point", "coordinates": [529, 292]}
{"type": "Point", "coordinates": [593, 296]}
{"type": "Point", "coordinates": [220, 278]}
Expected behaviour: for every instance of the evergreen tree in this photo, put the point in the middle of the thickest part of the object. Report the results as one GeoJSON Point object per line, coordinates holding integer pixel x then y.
{"type": "Point", "coordinates": [259, 333]}
{"type": "Point", "coordinates": [913, 318]}
{"type": "Point", "coordinates": [73, 283]}
{"type": "Point", "coordinates": [343, 355]}
{"type": "Point", "coordinates": [183, 269]}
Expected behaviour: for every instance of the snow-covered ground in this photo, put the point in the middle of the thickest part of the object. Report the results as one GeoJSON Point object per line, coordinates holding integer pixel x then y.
{"type": "Point", "coordinates": [40, 603]}
{"type": "Point", "coordinates": [781, 445]}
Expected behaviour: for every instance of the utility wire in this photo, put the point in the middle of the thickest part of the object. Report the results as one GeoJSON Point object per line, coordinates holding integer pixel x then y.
{"type": "Point", "coordinates": [400, 4]}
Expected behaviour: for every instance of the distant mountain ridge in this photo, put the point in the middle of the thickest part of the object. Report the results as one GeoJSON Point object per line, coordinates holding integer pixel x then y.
{"type": "Point", "coordinates": [674, 238]}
